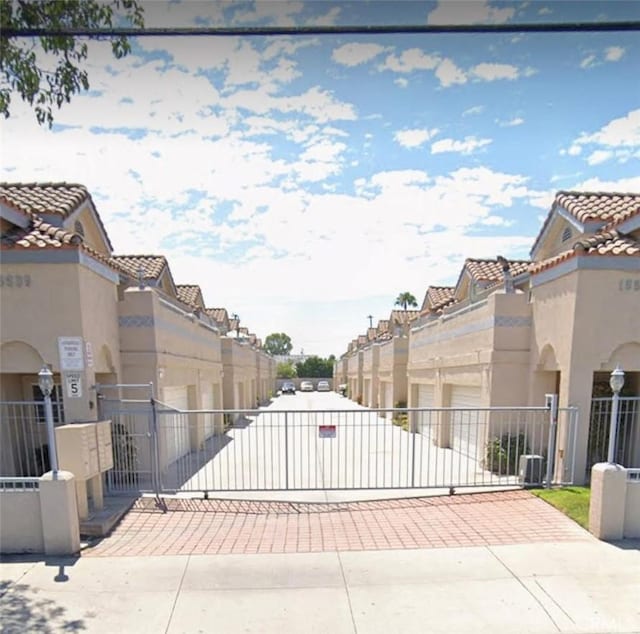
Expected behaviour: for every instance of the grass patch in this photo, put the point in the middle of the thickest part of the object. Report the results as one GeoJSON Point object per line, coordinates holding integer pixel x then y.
{"type": "Point", "coordinates": [572, 501]}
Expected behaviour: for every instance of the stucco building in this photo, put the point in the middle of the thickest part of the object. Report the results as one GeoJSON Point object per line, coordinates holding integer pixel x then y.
{"type": "Point", "coordinates": [102, 319]}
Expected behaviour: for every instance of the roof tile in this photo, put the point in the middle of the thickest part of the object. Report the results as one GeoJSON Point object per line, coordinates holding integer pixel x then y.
{"type": "Point", "coordinates": [608, 243]}
{"type": "Point", "coordinates": [44, 198]}
{"type": "Point", "coordinates": [491, 270]}
{"type": "Point", "coordinates": [150, 265]}
{"type": "Point", "coordinates": [190, 294]}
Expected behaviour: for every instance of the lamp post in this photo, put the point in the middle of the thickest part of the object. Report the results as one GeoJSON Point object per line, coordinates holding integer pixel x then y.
{"type": "Point", "coordinates": [45, 381]}
{"type": "Point", "coordinates": [616, 381]}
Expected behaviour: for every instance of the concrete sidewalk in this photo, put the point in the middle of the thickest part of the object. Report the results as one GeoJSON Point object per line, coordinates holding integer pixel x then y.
{"type": "Point", "coordinates": [583, 586]}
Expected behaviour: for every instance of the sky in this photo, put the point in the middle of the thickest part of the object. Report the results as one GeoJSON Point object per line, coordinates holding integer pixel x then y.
{"type": "Point", "coordinates": [304, 182]}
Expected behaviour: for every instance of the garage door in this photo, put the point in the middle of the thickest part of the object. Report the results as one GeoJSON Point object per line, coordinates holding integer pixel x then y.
{"type": "Point", "coordinates": [466, 426]}
{"type": "Point", "coordinates": [207, 403]}
{"type": "Point", "coordinates": [176, 427]}
{"type": "Point", "coordinates": [388, 395]}
{"type": "Point", "coordinates": [426, 420]}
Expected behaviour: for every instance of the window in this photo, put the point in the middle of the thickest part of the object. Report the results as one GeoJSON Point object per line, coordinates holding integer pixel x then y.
{"type": "Point", "coordinates": [78, 228]}
{"type": "Point", "coordinates": [566, 234]}
{"type": "Point", "coordinates": [56, 403]}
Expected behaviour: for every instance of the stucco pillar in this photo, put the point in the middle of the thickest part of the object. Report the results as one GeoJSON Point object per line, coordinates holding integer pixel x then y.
{"type": "Point", "coordinates": [59, 510]}
{"type": "Point", "coordinates": [82, 407]}
{"type": "Point", "coordinates": [607, 505]}
{"type": "Point", "coordinates": [576, 385]}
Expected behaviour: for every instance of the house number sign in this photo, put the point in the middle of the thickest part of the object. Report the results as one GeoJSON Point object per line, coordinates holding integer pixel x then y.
{"type": "Point", "coordinates": [629, 285]}
{"type": "Point", "coordinates": [15, 281]}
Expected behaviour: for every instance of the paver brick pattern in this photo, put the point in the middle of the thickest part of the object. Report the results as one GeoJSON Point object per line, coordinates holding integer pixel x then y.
{"type": "Point", "coordinates": [190, 526]}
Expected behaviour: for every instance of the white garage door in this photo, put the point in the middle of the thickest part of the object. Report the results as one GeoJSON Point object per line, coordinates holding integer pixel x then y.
{"type": "Point", "coordinates": [176, 426]}
{"type": "Point", "coordinates": [388, 395]}
{"type": "Point", "coordinates": [207, 403]}
{"type": "Point", "coordinates": [426, 420]}
{"type": "Point", "coordinates": [176, 397]}
{"type": "Point", "coordinates": [466, 426]}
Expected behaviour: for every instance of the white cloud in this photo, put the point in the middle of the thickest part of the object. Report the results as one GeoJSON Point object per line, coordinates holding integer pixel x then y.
{"type": "Point", "coordinates": [448, 73]}
{"type": "Point", "coordinates": [410, 60]}
{"type": "Point", "coordinates": [401, 81]}
{"type": "Point", "coordinates": [511, 123]}
{"type": "Point", "coordinates": [467, 146]}
{"type": "Point", "coordinates": [415, 137]}
{"type": "Point", "coordinates": [621, 132]}
{"type": "Point", "coordinates": [354, 54]}
{"type": "Point", "coordinates": [574, 150]}
{"type": "Point", "coordinates": [473, 110]}
{"type": "Point", "coordinates": [599, 156]}
{"type": "Point", "coordinates": [613, 53]}
{"type": "Point", "coordinates": [469, 12]}
{"type": "Point", "coordinates": [492, 72]}
{"type": "Point", "coordinates": [588, 61]}
{"type": "Point", "coordinates": [631, 184]}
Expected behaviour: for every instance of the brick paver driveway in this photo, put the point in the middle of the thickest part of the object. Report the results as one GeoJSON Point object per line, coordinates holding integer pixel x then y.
{"type": "Point", "coordinates": [189, 526]}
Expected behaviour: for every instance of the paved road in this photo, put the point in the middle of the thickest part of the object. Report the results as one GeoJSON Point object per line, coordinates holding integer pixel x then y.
{"type": "Point", "coordinates": [278, 451]}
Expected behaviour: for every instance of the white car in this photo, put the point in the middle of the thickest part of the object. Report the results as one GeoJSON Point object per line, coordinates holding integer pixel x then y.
{"type": "Point", "coordinates": [306, 386]}
{"type": "Point", "coordinates": [323, 386]}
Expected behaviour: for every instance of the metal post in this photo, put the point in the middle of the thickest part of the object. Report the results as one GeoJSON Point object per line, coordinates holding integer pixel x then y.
{"type": "Point", "coordinates": [616, 382]}
{"type": "Point", "coordinates": [53, 450]}
{"type": "Point", "coordinates": [613, 428]}
{"type": "Point", "coordinates": [552, 404]}
{"type": "Point", "coordinates": [286, 451]}
{"type": "Point", "coordinates": [413, 457]}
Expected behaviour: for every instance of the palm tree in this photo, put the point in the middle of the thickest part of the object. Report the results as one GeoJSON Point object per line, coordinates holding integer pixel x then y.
{"type": "Point", "coordinates": [406, 299]}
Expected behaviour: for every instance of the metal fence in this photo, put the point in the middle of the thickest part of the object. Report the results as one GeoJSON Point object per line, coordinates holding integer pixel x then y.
{"type": "Point", "coordinates": [627, 450]}
{"type": "Point", "coordinates": [269, 450]}
{"type": "Point", "coordinates": [24, 448]}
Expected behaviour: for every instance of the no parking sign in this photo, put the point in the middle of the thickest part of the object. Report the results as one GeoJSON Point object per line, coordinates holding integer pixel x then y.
{"type": "Point", "coordinates": [327, 431]}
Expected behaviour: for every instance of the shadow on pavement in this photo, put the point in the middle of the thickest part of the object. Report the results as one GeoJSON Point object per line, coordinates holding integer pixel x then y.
{"type": "Point", "coordinates": [23, 609]}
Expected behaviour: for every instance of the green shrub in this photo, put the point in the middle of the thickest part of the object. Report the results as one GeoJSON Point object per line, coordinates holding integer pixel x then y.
{"type": "Point", "coordinates": [503, 454]}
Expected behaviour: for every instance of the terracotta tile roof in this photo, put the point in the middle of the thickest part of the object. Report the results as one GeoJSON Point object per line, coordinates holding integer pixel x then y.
{"type": "Point", "coordinates": [491, 270]}
{"type": "Point", "coordinates": [190, 294]}
{"type": "Point", "coordinates": [622, 217]}
{"type": "Point", "coordinates": [219, 315]}
{"type": "Point", "coordinates": [233, 324]}
{"type": "Point", "coordinates": [607, 243]}
{"type": "Point", "coordinates": [42, 235]}
{"type": "Point", "coordinates": [437, 297]}
{"type": "Point", "coordinates": [151, 265]}
{"type": "Point", "coordinates": [61, 199]}
{"type": "Point", "coordinates": [362, 340]}
{"type": "Point", "coordinates": [604, 207]}
{"type": "Point", "coordinates": [383, 326]}
{"type": "Point", "coordinates": [399, 317]}
{"type": "Point", "coordinates": [372, 334]}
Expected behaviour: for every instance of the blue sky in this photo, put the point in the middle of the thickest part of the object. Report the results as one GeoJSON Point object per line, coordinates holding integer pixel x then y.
{"type": "Point", "coordinates": [303, 182]}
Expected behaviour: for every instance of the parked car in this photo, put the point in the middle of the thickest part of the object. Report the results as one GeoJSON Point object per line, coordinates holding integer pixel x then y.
{"type": "Point", "coordinates": [323, 386]}
{"type": "Point", "coordinates": [288, 388]}
{"type": "Point", "coordinates": [306, 386]}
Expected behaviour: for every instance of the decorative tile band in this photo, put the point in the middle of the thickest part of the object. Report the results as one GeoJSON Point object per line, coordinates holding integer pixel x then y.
{"type": "Point", "coordinates": [136, 321]}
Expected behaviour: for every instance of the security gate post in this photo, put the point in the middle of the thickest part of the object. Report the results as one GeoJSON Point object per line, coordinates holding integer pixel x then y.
{"type": "Point", "coordinates": [413, 457]}
{"type": "Point", "coordinates": [155, 456]}
{"type": "Point", "coordinates": [286, 451]}
{"type": "Point", "coordinates": [551, 401]}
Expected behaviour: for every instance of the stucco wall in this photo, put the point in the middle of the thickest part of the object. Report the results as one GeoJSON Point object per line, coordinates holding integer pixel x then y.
{"type": "Point", "coordinates": [21, 522]}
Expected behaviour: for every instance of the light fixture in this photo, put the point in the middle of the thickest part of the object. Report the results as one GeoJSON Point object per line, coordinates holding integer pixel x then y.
{"type": "Point", "coordinates": [616, 380]}
{"type": "Point", "coordinates": [45, 381]}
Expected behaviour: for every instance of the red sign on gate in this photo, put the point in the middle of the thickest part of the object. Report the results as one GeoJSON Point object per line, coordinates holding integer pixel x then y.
{"type": "Point", "coordinates": [327, 431]}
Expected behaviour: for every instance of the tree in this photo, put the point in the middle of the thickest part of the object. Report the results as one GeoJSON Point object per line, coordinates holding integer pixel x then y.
{"type": "Point", "coordinates": [406, 299]}
{"type": "Point", "coordinates": [278, 343]}
{"type": "Point", "coordinates": [285, 370]}
{"type": "Point", "coordinates": [315, 368]}
{"type": "Point", "coordinates": [22, 69]}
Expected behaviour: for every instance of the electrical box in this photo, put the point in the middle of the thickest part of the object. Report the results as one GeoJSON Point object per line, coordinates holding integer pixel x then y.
{"type": "Point", "coordinates": [531, 469]}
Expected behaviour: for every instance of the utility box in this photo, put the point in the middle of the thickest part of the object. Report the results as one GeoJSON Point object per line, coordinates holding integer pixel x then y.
{"type": "Point", "coordinates": [531, 470]}
{"type": "Point", "coordinates": [86, 450]}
